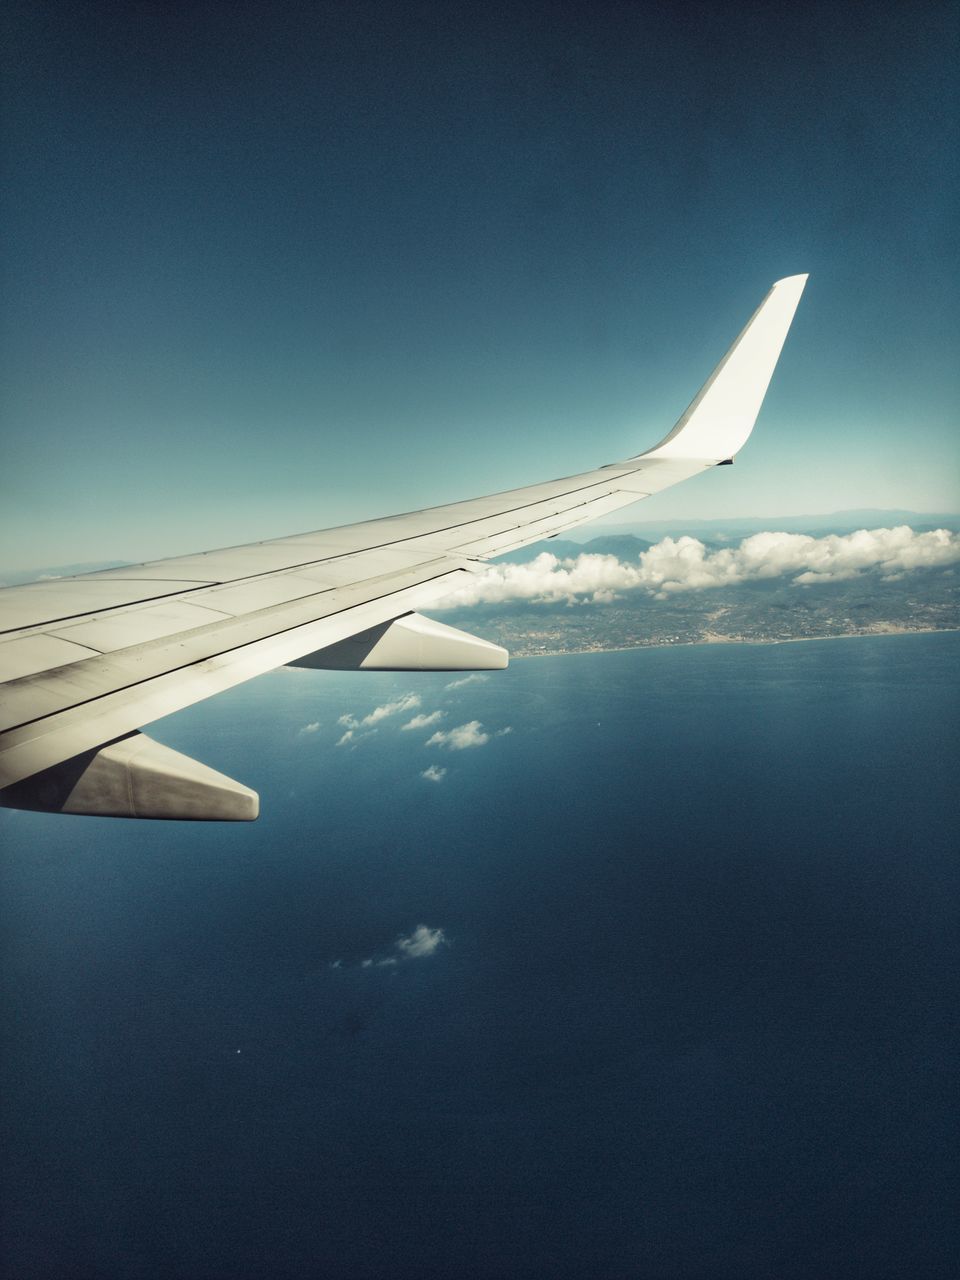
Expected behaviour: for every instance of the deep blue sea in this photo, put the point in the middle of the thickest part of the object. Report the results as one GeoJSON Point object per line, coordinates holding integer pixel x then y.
{"type": "Point", "coordinates": [694, 1011]}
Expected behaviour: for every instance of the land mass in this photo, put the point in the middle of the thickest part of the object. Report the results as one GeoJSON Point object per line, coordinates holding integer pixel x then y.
{"type": "Point", "coordinates": [759, 612]}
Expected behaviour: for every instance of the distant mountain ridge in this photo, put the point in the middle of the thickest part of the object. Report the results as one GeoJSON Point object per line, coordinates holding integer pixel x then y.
{"type": "Point", "coordinates": [626, 547]}
{"type": "Point", "coordinates": [736, 527]}
{"type": "Point", "coordinates": [627, 541]}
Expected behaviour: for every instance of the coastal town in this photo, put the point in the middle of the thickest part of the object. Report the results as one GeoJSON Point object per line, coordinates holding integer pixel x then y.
{"type": "Point", "coordinates": [766, 612]}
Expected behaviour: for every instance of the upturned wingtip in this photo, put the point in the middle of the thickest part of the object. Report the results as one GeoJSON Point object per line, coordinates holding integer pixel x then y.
{"type": "Point", "coordinates": [799, 281]}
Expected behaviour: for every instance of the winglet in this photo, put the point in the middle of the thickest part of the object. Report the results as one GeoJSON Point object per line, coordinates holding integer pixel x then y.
{"type": "Point", "coordinates": [722, 415]}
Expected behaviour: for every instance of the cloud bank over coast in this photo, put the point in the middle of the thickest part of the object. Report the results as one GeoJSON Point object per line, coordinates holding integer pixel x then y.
{"type": "Point", "coordinates": [686, 564]}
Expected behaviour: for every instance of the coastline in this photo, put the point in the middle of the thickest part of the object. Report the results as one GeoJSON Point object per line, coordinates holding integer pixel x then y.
{"type": "Point", "coordinates": [726, 640]}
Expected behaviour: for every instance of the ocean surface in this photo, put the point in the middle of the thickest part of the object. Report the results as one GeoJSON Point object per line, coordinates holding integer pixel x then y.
{"type": "Point", "coordinates": [685, 1001]}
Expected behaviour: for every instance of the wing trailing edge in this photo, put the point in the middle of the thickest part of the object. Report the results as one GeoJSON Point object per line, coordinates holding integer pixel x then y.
{"type": "Point", "coordinates": [86, 661]}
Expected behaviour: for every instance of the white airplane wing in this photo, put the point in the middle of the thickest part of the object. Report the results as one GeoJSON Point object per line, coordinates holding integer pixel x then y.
{"type": "Point", "coordinates": [85, 661]}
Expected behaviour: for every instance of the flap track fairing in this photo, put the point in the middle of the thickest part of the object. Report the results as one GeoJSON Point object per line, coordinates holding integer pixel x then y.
{"type": "Point", "coordinates": [135, 777]}
{"type": "Point", "coordinates": [409, 643]}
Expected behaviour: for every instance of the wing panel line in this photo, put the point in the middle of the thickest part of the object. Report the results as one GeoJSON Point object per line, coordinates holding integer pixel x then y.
{"type": "Point", "coordinates": [64, 686]}
{"type": "Point", "coordinates": [40, 743]}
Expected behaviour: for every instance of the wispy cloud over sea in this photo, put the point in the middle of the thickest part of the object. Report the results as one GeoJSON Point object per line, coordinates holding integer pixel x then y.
{"type": "Point", "coordinates": [464, 680]}
{"type": "Point", "coordinates": [417, 945]}
{"type": "Point", "coordinates": [471, 734]}
{"type": "Point", "coordinates": [422, 721]}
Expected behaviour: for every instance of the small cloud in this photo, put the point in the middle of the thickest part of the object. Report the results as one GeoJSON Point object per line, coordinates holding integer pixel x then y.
{"type": "Point", "coordinates": [408, 702]}
{"type": "Point", "coordinates": [422, 942]}
{"type": "Point", "coordinates": [434, 773]}
{"type": "Point", "coordinates": [352, 737]}
{"type": "Point", "coordinates": [458, 684]}
{"type": "Point", "coordinates": [466, 735]}
{"type": "Point", "coordinates": [421, 722]}
{"type": "Point", "coordinates": [502, 733]}
{"type": "Point", "coordinates": [312, 727]}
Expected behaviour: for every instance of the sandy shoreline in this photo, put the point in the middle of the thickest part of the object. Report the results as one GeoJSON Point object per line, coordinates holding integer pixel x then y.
{"type": "Point", "coordinates": [718, 639]}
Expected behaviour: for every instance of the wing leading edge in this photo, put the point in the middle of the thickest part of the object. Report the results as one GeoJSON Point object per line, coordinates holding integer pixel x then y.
{"type": "Point", "coordinates": [85, 661]}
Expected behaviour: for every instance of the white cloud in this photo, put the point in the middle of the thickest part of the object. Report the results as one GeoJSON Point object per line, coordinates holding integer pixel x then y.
{"type": "Point", "coordinates": [685, 564]}
{"type": "Point", "coordinates": [353, 736]}
{"type": "Point", "coordinates": [422, 942]}
{"type": "Point", "coordinates": [408, 702]}
{"type": "Point", "coordinates": [466, 735]}
{"type": "Point", "coordinates": [421, 722]}
{"type": "Point", "coordinates": [502, 733]}
{"type": "Point", "coordinates": [474, 679]}
{"type": "Point", "coordinates": [434, 773]}
{"type": "Point", "coordinates": [312, 727]}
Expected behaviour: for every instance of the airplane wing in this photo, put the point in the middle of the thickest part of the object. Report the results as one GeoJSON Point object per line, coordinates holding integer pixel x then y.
{"type": "Point", "coordinates": [85, 661]}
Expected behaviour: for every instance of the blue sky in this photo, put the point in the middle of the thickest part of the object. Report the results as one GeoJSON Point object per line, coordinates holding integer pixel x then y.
{"type": "Point", "coordinates": [269, 268]}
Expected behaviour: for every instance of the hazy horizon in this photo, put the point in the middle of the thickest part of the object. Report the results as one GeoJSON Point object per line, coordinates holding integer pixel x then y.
{"type": "Point", "coordinates": [580, 534]}
{"type": "Point", "coordinates": [272, 270]}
